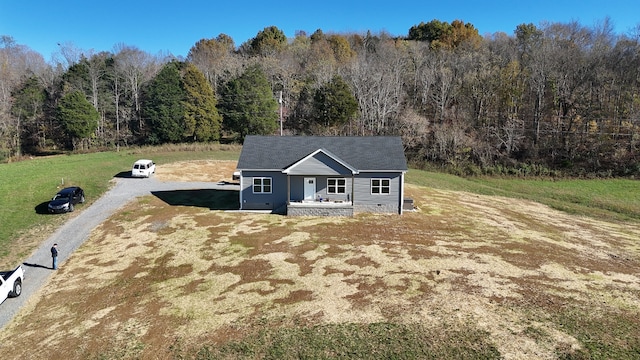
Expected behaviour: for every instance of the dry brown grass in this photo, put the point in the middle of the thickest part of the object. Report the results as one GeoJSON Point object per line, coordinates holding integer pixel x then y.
{"type": "Point", "coordinates": [154, 275]}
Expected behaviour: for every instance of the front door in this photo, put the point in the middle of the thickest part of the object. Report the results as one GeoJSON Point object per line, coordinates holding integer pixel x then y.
{"type": "Point", "coordinates": [309, 188]}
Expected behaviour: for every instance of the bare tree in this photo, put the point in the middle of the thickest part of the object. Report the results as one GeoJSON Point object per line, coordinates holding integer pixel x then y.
{"type": "Point", "coordinates": [17, 63]}
{"type": "Point", "coordinates": [215, 58]}
{"type": "Point", "coordinates": [509, 135]}
{"type": "Point", "coordinates": [136, 67]}
{"type": "Point", "coordinates": [441, 77]}
{"type": "Point", "coordinates": [68, 55]}
{"type": "Point", "coordinates": [479, 79]}
{"type": "Point", "coordinates": [378, 83]}
{"type": "Point", "coordinates": [96, 71]}
{"type": "Point", "coordinates": [414, 130]}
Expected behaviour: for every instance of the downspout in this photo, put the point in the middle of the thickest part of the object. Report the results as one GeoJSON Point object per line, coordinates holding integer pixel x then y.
{"type": "Point", "coordinates": [401, 192]}
{"type": "Point", "coordinates": [288, 190]}
{"type": "Point", "coordinates": [241, 178]}
{"type": "Point", "coordinates": [353, 204]}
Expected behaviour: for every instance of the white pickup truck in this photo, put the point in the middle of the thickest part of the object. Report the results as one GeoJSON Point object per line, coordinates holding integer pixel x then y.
{"type": "Point", "coordinates": [11, 283]}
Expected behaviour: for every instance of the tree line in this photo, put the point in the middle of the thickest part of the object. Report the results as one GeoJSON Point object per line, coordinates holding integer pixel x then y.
{"type": "Point", "coordinates": [557, 98]}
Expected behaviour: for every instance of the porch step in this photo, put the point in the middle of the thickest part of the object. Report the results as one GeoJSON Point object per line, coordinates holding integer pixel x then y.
{"type": "Point", "coordinates": [407, 204]}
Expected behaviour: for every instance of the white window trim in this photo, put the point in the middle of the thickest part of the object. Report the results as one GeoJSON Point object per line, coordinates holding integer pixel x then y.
{"type": "Point", "coordinates": [337, 186]}
{"type": "Point", "coordinates": [380, 187]}
{"type": "Point", "coordinates": [261, 178]}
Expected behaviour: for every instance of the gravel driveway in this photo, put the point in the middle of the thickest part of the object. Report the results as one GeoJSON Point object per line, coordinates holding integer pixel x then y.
{"type": "Point", "coordinates": [73, 233]}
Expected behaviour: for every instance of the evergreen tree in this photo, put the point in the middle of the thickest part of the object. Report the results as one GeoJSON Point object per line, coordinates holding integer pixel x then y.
{"type": "Point", "coordinates": [441, 34]}
{"type": "Point", "coordinates": [334, 103]}
{"type": "Point", "coordinates": [28, 107]}
{"type": "Point", "coordinates": [202, 120]}
{"type": "Point", "coordinates": [301, 116]}
{"type": "Point", "coordinates": [163, 108]}
{"type": "Point", "coordinates": [76, 78]}
{"type": "Point", "coordinates": [269, 41]}
{"type": "Point", "coordinates": [78, 116]}
{"type": "Point", "coordinates": [248, 106]}
{"type": "Point", "coordinates": [28, 101]}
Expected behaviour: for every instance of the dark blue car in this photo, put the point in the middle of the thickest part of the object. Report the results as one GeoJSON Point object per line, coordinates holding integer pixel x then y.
{"type": "Point", "coordinates": [65, 199]}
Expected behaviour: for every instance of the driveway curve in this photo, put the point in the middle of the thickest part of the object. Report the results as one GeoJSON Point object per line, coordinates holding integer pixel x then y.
{"type": "Point", "coordinates": [74, 232]}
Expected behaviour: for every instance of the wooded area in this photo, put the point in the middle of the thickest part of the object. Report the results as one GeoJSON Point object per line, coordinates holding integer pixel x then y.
{"type": "Point", "coordinates": [558, 98]}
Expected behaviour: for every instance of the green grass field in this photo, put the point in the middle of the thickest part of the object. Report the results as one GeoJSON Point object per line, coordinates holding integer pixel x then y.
{"type": "Point", "coordinates": [610, 199]}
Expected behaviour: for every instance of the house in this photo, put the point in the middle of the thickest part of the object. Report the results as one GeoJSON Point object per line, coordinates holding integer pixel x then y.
{"type": "Point", "coordinates": [322, 175]}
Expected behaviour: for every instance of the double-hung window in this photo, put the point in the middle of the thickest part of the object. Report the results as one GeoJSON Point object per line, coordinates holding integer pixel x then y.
{"type": "Point", "coordinates": [262, 185]}
{"type": "Point", "coordinates": [380, 186]}
{"type": "Point", "coordinates": [336, 186]}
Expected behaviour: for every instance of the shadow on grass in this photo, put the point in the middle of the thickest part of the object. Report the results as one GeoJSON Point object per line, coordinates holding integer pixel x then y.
{"type": "Point", "coordinates": [42, 208]}
{"type": "Point", "coordinates": [207, 198]}
{"type": "Point", "coordinates": [123, 174]}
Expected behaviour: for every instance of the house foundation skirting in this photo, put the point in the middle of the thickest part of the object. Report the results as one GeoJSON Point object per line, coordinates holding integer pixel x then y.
{"type": "Point", "coordinates": [324, 210]}
{"type": "Point", "coordinates": [307, 209]}
{"type": "Point", "coordinates": [378, 208]}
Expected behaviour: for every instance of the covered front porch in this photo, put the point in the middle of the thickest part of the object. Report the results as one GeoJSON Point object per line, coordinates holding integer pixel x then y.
{"type": "Point", "coordinates": [320, 185]}
{"type": "Point", "coordinates": [319, 196]}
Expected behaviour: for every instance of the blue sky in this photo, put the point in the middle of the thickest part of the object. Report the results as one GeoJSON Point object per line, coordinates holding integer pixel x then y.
{"type": "Point", "coordinates": [170, 26]}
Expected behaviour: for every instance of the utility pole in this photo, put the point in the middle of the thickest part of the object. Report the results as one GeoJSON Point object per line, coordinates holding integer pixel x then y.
{"type": "Point", "coordinates": [280, 102]}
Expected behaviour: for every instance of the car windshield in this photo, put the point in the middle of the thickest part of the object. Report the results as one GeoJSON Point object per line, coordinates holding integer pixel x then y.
{"type": "Point", "coordinates": [62, 196]}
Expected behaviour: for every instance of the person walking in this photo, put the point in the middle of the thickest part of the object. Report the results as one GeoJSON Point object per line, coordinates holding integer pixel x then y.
{"type": "Point", "coordinates": [54, 256]}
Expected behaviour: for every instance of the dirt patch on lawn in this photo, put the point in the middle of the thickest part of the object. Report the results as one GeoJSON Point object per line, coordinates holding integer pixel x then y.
{"type": "Point", "coordinates": [157, 275]}
{"type": "Point", "coordinates": [197, 170]}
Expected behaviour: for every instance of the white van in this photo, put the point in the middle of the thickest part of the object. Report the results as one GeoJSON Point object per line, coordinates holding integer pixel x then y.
{"type": "Point", "coordinates": [143, 168]}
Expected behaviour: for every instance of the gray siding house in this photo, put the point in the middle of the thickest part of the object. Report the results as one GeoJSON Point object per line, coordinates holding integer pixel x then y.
{"type": "Point", "coordinates": [322, 175]}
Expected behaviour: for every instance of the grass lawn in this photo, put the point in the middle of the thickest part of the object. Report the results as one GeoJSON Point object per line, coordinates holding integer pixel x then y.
{"type": "Point", "coordinates": [612, 199]}
{"type": "Point", "coordinates": [466, 277]}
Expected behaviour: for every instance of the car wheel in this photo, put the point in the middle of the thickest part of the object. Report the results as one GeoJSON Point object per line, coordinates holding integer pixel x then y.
{"type": "Point", "coordinates": [70, 207]}
{"type": "Point", "coordinates": [17, 288]}
{"type": "Point", "coordinates": [82, 199]}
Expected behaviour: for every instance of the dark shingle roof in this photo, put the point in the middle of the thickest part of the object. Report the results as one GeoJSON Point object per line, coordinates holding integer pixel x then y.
{"type": "Point", "coordinates": [384, 153]}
